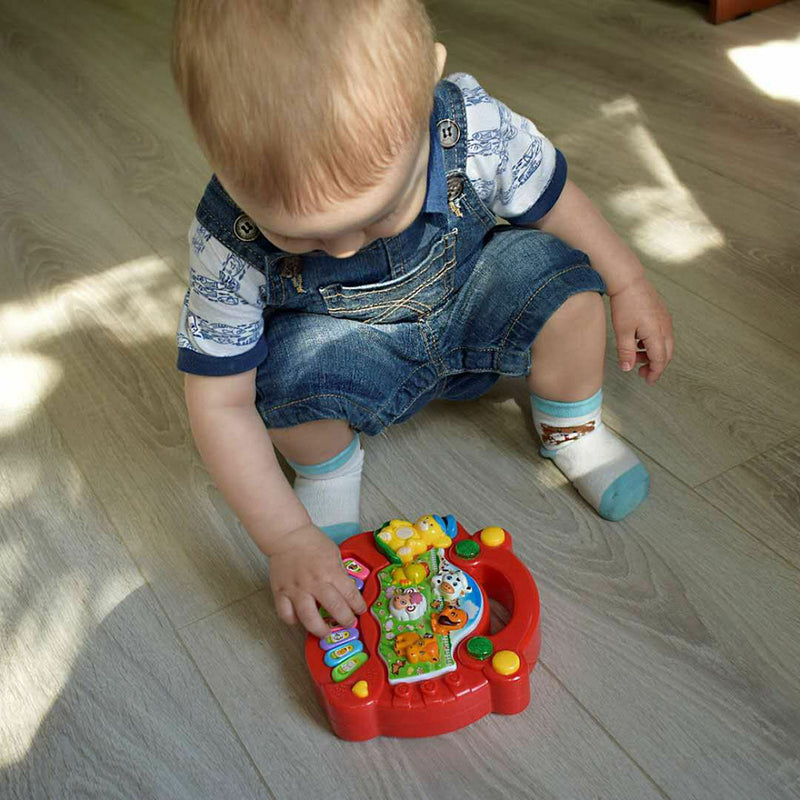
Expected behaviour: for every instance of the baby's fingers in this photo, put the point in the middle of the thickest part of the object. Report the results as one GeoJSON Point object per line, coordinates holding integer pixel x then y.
{"type": "Point", "coordinates": [285, 609]}
{"type": "Point", "coordinates": [351, 594]}
{"type": "Point", "coordinates": [626, 349]}
{"type": "Point", "coordinates": [338, 605]}
{"type": "Point", "coordinates": [307, 612]}
{"type": "Point", "coordinates": [657, 356]}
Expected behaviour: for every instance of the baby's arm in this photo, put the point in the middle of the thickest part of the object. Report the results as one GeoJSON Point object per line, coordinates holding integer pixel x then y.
{"type": "Point", "coordinates": [576, 221]}
{"type": "Point", "coordinates": [235, 446]}
{"type": "Point", "coordinates": [637, 312]}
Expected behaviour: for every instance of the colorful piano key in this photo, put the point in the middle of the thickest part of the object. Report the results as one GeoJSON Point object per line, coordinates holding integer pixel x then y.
{"type": "Point", "coordinates": [335, 657]}
{"type": "Point", "coordinates": [356, 568]}
{"type": "Point", "coordinates": [347, 668]}
{"type": "Point", "coordinates": [338, 637]}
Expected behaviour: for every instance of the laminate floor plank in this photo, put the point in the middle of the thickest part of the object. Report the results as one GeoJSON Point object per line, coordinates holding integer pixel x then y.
{"type": "Point", "coordinates": [579, 57]}
{"type": "Point", "coordinates": [730, 394]}
{"type": "Point", "coordinates": [693, 164]}
{"type": "Point", "coordinates": [87, 294]}
{"type": "Point", "coordinates": [670, 640]}
{"type": "Point", "coordinates": [730, 245]}
{"type": "Point", "coordinates": [96, 105]}
{"type": "Point", "coordinates": [257, 670]}
{"type": "Point", "coordinates": [677, 630]}
{"type": "Point", "coordinates": [763, 496]}
{"type": "Point", "coordinates": [99, 698]}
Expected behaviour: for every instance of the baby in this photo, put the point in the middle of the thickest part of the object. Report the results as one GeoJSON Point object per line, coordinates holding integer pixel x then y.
{"type": "Point", "coordinates": [347, 266]}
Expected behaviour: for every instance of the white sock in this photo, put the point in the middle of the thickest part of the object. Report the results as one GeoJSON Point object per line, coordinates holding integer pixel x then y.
{"type": "Point", "coordinates": [599, 465]}
{"type": "Point", "coordinates": [331, 491]}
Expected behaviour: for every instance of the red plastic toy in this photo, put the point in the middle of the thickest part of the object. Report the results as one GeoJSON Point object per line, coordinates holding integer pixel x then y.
{"type": "Point", "coordinates": [421, 661]}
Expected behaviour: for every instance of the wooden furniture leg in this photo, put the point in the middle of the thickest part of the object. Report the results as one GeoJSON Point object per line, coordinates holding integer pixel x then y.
{"type": "Point", "coordinates": [724, 10]}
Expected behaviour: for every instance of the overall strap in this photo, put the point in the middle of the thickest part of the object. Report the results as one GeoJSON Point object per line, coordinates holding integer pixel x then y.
{"type": "Point", "coordinates": [451, 124]}
{"type": "Point", "coordinates": [219, 215]}
{"type": "Point", "coordinates": [226, 222]}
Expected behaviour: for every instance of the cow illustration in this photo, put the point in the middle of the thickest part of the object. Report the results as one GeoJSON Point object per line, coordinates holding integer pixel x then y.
{"type": "Point", "coordinates": [450, 585]}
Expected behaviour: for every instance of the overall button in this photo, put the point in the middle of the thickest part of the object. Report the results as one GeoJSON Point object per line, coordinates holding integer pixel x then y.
{"type": "Point", "coordinates": [455, 187]}
{"type": "Point", "coordinates": [244, 229]}
{"type": "Point", "coordinates": [290, 266]}
{"type": "Point", "coordinates": [449, 132]}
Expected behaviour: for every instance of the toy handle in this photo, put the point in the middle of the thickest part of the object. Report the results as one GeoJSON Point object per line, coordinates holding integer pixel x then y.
{"type": "Point", "coordinates": [504, 579]}
{"type": "Point", "coordinates": [514, 589]}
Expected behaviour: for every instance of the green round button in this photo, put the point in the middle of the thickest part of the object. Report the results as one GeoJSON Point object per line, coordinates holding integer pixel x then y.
{"type": "Point", "coordinates": [467, 548]}
{"type": "Point", "coordinates": [479, 647]}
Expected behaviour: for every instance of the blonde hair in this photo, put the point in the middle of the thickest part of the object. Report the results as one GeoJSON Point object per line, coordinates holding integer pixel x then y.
{"type": "Point", "coordinates": [303, 103]}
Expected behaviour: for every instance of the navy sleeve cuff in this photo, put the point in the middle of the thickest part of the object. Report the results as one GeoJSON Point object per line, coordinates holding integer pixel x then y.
{"type": "Point", "coordinates": [202, 364]}
{"type": "Point", "coordinates": [549, 196]}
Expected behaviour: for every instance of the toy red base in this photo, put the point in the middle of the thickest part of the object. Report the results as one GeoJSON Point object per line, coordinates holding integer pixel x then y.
{"type": "Point", "coordinates": [366, 704]}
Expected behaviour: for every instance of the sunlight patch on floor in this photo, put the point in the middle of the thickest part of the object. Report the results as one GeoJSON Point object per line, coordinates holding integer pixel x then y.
{"type": "Point", "coordinates": [668, 224]}
{"type": "Point", "coordinates": [773, 67]}
{"type": "Point", "coordinates": [48, 624]}
{"type": "Point", "coordinates": [131, 303]}
{"type": "Point", "coordinates": [16, 486]}
{"type": "Point", "coordinates": [26, 379]}
{"type": "Point", "coordinates": [134, 302]}
{"type": "Point", "coordinates": [39, 659]}
{"type": "Point", "coordinates": [40, 647]}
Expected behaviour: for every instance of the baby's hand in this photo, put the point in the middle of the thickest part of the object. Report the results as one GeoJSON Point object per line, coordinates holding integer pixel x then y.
{"type": "Point", "coordinates": [305, 567]}
{"type": "Point", "coordinates": [639, 315]}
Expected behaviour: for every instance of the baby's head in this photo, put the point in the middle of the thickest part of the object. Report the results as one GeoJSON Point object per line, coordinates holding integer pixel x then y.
{"type": "Point", "coordinates": [313, 113]}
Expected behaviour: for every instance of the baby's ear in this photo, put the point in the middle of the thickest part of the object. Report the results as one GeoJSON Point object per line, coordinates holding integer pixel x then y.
{"type": "Point", "coordinates": [441, 58]}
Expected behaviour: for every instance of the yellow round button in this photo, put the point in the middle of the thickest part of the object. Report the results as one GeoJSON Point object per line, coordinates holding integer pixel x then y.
{"type": "Point", "coordinates": [493, 537]}
{"type": "Point", "coordinates": [360, 689]}
{"type": "Point", "coordinates": [506, 662]}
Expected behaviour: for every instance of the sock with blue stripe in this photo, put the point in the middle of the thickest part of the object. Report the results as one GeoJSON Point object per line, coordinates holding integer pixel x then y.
{"type": "Point", "coordinates": [331, 491]}
{"type": "Point", "coordinates": [599, 465]}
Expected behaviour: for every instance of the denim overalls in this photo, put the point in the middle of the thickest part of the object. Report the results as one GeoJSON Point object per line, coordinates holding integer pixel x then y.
{"type": "Point", "coordinates": [440, 310]}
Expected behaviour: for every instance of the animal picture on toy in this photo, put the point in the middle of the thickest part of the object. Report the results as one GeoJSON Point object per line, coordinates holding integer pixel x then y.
{"type": "Point", "coordinates": [425, 606]}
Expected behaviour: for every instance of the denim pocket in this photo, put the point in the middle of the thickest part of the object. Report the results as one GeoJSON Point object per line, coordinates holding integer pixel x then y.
{"type": "Point", "coordinates": [405, 299]}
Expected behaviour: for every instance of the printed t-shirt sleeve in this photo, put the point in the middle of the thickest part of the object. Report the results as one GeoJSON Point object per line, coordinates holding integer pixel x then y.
{"type": "Point", "coordinates": [221, 327]}
{"type": "Point", "coordinates": [516, 170]}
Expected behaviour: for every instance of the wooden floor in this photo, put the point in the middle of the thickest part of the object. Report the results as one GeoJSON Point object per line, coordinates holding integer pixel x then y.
{"type": "Point", "coordinates": [140, 655]}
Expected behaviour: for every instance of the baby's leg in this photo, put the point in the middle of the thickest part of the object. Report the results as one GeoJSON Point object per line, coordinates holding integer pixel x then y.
{"type": "Point", "coordinates": [569, 352]}
{"type": "Point", "coordinates": [327, 458]}
{"type": "Point", "coordinates": [566, 393]}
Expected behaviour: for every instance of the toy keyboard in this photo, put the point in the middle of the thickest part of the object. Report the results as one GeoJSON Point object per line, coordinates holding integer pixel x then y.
{"type": "Point", "coordinates": [421, 661]}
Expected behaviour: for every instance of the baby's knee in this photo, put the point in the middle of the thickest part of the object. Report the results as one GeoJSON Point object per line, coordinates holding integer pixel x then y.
{"type": "Point", "coordinates": [580, 306]}
{"type": "Point", "coordinates": [581, 312]}
{"type": "Point", "coordinates": [312, 442]}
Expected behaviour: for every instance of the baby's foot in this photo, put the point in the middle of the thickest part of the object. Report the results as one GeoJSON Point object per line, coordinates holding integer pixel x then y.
{"type": "Point", "coordinates": [331, 491]}
{"type": "Point", "coordinates": [599, 465]}
{"type": "Point", "coordinates": [605, 471]}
